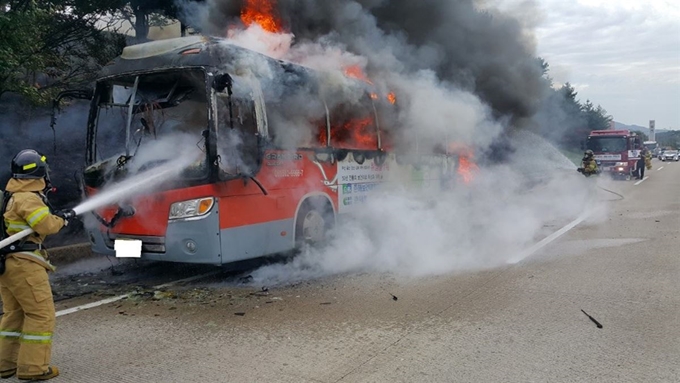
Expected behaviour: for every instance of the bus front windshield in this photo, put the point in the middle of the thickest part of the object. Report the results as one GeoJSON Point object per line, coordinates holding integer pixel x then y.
{"type": "Point", "coordinates": [607, 144]}
{"type": "Point", "coordinates": [149, 119]}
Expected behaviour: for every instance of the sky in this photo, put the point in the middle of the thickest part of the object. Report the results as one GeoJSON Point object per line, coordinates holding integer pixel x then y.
{"type": "Point", "coordinates": [621, 54]}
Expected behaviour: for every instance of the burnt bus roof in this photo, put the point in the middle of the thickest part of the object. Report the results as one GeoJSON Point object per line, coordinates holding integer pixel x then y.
{"type": "Point", "coordinates": [192, 51]}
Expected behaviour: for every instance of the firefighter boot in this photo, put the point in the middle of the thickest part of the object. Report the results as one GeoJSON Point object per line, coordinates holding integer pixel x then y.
{"type": "Point", "coordinates": [8, 373]}
{"type": "Point", "coordinates": [52, 372]}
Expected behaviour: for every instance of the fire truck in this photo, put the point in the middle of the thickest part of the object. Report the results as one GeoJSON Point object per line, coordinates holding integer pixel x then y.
{"type": "Point", "coordinates": [616, 151]}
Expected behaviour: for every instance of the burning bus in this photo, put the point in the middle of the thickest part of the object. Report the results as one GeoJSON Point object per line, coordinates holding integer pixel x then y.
{"type": "Point", "coordinates": [261, 185]}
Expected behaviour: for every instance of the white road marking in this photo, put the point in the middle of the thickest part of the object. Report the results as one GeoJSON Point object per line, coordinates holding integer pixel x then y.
{"type": "Point", "coordinates": [641, 181]}
{"type": "Point", "coordinates": [120, 297]}
{"type": "Point", "coordinates": [91, 305]}
{"type": "Point", "coordinates": [659, 168]}
{"type": "Point", "coordinates": [547, 240]}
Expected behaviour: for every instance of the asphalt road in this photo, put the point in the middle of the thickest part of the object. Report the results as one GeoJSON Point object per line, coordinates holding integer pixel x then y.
{"type": "Point", "coordinates": [520, 323]}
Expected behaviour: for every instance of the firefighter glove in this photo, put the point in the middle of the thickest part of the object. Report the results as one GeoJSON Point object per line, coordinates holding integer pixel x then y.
{"type": "Point", "coordinates": [65, 214]}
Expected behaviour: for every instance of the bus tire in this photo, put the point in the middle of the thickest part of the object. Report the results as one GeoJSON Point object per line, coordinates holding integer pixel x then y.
{"type": "Point", "coordinates": [313, 222]}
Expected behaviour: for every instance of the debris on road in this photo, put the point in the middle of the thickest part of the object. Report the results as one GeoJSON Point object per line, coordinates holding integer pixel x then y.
{"type": "Point", "coordinates": [158, 295]}
{"type": "Point", "coordinates": [240, 314]}
{"type": "Point", "coordinates": [593, 319]}
{"type": "Point", "coordinates": [394, 298]}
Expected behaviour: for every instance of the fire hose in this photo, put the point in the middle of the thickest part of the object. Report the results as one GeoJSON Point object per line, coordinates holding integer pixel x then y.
{"type": "Point", "coordinates": [22, 234]}
{"type": "Point", "coordinates": [134, 185]}
{"type": "Point", "coordinates": [13, 238]}
{"type": "Point", "coordinates": [122, 212]}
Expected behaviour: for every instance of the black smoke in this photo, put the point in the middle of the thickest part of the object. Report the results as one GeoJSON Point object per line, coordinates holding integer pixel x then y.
{"type": "Point", "coordinates": [478, 50]}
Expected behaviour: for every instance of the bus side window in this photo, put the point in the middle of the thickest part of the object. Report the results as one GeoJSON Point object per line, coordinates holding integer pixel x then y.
{"type": "Point", "coordinates": [237, 147]}
{"type": "Point", "coordinates": [353, 126]}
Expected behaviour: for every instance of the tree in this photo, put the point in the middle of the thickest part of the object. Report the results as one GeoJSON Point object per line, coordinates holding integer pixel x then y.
{"type": "Point", "coordinates": [52, 44]}
{"type": "Point", "coordinates": [641, 134]}
{"type": "Point", "coordinates": [570, 104]}
{"type": "Point", "coordinates": [545, 68]}
{"type": "Point", "coordinates": [142, 14]}
{"type": "Point", "coordinates": [596, 118]}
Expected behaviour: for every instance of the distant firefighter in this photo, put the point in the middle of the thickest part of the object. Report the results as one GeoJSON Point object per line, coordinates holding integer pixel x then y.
{"type": "Point", "coordinates": [645, 161]}
{"type": "Point", "coordinates": [648, 158]}
{"type": "Point", "coordinates": [588, 164]}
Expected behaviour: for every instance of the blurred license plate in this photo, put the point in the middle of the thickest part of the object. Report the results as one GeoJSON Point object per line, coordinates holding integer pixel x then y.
{"type": "Point", "coordinates": [128, 248]}
{"type": "Point", "coordinates": [607, 168]}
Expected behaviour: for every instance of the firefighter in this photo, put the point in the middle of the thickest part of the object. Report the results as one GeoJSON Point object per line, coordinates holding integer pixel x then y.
{"type": "Point", "coordinates": [28, 322]}
{"type": "Point", "coordinates": [648, 159]}
{"type": "Point", "coordinates": [642, 163]}
{"type": "Point", "coordinates": [588, 164]}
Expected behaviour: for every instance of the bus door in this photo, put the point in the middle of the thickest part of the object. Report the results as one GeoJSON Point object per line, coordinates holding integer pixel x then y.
{"type": "Point", "coordinates": [245, 201]}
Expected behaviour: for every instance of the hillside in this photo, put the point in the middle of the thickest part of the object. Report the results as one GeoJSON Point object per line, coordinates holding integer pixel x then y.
{"type": "Point", "coordinates": [669, 138]}
{"type": "Point", "coordinates": [645, 130]}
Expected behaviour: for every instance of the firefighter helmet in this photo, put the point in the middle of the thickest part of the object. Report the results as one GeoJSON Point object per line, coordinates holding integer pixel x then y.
{"type": "Point", "coordinates": [589, 153]}
{"type": "Point", "coordinates": [29, 164]}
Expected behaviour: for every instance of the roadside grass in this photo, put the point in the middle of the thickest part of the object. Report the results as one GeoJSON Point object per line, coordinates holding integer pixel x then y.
{"type": "Point", "coordinates": [573, 155]}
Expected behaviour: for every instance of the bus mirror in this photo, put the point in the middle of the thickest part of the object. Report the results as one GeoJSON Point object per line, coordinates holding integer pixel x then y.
{"type": "Point", "coordinates": [359, 157]}
{"type": "Point", "coordinates": [222, 82]}
{"type": "Point", "coordinates": [322, 157]}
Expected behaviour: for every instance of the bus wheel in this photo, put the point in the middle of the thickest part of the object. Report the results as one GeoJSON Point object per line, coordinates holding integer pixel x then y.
{"type": "Point", "coordinates": [313, 222]}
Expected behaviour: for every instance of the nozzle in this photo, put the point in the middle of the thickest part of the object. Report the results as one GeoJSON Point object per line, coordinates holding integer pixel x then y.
{"type": "Point", "coordinates": [127, 211]}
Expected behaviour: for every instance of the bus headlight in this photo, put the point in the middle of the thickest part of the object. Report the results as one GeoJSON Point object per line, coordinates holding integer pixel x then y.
{"type": "Point", "coordinates": [191, 208]}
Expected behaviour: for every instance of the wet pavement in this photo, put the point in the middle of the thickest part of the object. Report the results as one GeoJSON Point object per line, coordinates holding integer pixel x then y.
{"type": "Point", "coordinates": [519, 323]}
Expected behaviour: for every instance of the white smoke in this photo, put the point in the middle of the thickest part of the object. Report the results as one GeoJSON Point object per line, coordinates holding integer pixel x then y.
{"type": "Point", "coordinates": [485, 224]}
{"type": "Point", "coordinates": [276, 45]}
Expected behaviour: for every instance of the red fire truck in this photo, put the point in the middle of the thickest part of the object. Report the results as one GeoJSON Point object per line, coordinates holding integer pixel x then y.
{"type": "Point", "coordinates": [262, 186]}
{"type": "Point", "coordinates": [616, 151]}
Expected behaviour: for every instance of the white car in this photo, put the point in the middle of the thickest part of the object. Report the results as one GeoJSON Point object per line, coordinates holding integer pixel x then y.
{"type": "Point", "coordinates": [670, 155]}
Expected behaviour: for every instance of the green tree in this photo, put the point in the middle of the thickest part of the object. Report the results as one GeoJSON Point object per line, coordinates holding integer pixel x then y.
{"type": "Point", "coordinates": [596, 117]}
{"type": "Point", "coordinates": [50, 45]}
{"type": "Point", "coordinates": [641, 134]}
{"type": "Point", "coordinates": [545, 68]}
{"type": "Point", "coordinates": [142, 14]}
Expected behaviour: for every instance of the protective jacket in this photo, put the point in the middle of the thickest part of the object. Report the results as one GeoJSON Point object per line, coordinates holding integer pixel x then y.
{"type": "Point", "coordinates": [589, 166]}
{"type": "Point", "coordinates": [27, 209]}
{"type": "Point", "coordinates": [648, 159]}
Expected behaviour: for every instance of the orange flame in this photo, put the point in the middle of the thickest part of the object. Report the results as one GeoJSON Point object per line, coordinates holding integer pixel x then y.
{"type": "Point", "coordinates": [466, 168]}
{"type": "Point", "coordinates": [392, 98]}
{"type": "Point", "coordinates": [354, 134]}
{"type": "Point", "coordinates": [356, 72]}
{"type": "Point", "coordinates": [262, 13]}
